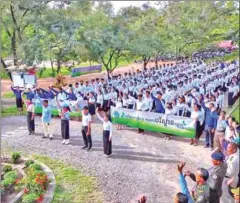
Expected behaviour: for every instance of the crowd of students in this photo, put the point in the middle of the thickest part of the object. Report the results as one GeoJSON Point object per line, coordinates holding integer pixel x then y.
{"type": "Point", "coordinates": [190, 89]}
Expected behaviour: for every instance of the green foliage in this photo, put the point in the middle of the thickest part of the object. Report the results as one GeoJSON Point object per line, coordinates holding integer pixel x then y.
{"type": "Point", "coordinates": [11, 111]}
{"type": "Point", "coordinates": [30, 198]}
{"type": "Point", "coordinates": [9, 179]}
{"type": "Point", "coordinates": [8, 95]}
{"type": "Point", "coordinates": [235, 113]}
{"type": "Point", "coordinates": [15, 157]}
{"type": "Point", "coordinates": [82, 187]}
{"type": "Point", "coordinates": [29, 162]}
{"type": "Point", "coordinates": [87, 32]}
{"type": "Point", "coordinates": [7, 168]}
{"type": "Point", "coordinates": [35, 167]}
{"type": "Point", "coordinates": [36, 181]}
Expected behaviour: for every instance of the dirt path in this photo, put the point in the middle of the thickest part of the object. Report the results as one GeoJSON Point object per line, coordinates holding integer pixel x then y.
{"type": "Point", "coordinates": [45, 82]}
{"type": "Point", "coordinates": [141, 164]}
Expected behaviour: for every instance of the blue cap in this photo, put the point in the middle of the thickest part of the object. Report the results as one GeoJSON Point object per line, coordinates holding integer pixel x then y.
{"type": "Point", "coordinates": [219, 156]}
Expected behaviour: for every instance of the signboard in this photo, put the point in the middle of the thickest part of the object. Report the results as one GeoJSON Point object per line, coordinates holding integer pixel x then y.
{"type": "Point", "coordinates": [89, 69]}
{"type": "Point", "coordinates": [174, 125]}
{"type": "Point", "coordinates": [23, 80]}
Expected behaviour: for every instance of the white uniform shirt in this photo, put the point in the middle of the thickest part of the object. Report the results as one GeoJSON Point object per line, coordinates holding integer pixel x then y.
{"type": "Point", "coordinates": [86, 119]}
{"type": "Point", "coordinates": [233, 167]}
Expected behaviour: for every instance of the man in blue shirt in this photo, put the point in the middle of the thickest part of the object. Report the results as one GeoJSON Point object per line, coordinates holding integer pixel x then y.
{"type": "Point", "coordinates": [159, 103]}
{"type": "Point", "coordinates": [211, 117]}
{"type": "Point", "coordinates": [46, 119]}
{"type": "Point", "coordinates": [18, 94]}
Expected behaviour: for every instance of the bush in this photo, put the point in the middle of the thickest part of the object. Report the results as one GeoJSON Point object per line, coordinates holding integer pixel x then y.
{"type": "Point", "coordinates": [11, 175]}
{"type": "Point", "coordinates": [15, 157]}
{"type": "Point", "coordinates": [9, 178]}
{"type": "Point", "coordinates": [29, 162]}
{"type": "Point", "coordinates": [7, 168]}
{"type": "Point", "coordinates": [36, 167]}
{"type": "Point", "coordinates": [30, 198]}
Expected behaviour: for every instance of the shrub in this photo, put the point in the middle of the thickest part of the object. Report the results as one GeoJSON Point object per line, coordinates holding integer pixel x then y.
{"type": "Point", "coordinates": [7, 182]}
{"type": "Point", "coordinates": [36, 167]}
{"type": "Point", "coordinates": [29, 162]}
{"type": "Point", "coordinates": [15, 157]}
{"type": "Point", "coordinates": [7, 168]}
{"type": "Point", "coordinates": [9, 178]}
{"type": "Point", "coordinates": [30, 198]}
{"type": "Point", "coordinates": [10, 174]}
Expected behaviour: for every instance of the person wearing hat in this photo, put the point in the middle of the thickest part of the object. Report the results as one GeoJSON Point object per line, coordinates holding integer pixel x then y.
{"type": "Point", "coordinates": [64, 114]}
{"type": "Point", "coordinates": [216, 176]}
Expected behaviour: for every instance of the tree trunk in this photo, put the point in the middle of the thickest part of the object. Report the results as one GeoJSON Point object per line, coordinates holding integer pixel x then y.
{"type": "Point", "coordinates": [58, 66]}
{"type": "Point", "coordinates": [14, 48]}
{"type": "Point", "coordinates": [5, 67]}
{"type": "Point", "coordinates": [53, 71]}
{"type": "Point", "coordinates": [156, 62]}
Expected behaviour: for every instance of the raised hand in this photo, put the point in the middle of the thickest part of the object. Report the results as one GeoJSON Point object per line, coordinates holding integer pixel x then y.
{"type": "Point", "coordinates": [181, 166]}
{"type": "Point", "coordinates": [142, 199]}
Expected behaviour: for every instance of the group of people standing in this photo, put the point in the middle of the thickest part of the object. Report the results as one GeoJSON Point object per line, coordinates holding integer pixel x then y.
{"type": "Point", "coordinates": [189, 89]}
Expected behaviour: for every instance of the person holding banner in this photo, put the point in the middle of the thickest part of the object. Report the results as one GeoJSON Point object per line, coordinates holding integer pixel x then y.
{"type": "Point", "coordinates": [107, 134]}
{"type": "Point", "coordinates": [19, 102]}
{"type": "Point", "coordinates": [30, 114]}
{"type": "Point", "coordinates": [140, 106]}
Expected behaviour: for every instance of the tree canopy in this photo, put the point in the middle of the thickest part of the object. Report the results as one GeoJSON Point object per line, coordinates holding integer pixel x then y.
{"type": "Point", "coordinates": [35, 31]}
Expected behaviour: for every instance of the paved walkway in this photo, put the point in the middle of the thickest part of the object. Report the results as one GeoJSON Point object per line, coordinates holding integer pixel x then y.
{"type": "Point", "coordinates": [141, 164]}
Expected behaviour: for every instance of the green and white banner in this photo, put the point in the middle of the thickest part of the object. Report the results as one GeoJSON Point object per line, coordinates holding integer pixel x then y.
{"type": "Point", "coordinates": [174, 125]}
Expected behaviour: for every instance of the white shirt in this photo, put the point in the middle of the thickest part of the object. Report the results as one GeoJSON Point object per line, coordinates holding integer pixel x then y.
{"type": "Point", "coordinates": [86, 119]}
{"type": "Point", "coordinates": [100, 99]}
{"type": "Point", "coordinates": [106, 125]}
{"type": "Point", "coordinates": [233, 167]}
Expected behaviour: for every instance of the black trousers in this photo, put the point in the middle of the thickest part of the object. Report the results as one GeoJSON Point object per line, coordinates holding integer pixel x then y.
{"type": "Point", "coordinates": [30, 122]}
{"type": "Point", "coordinates": [107, 145]}
{"type": "Point", "coordinates": [65, 129]}
{"type": "Point", "coordinates": [86, 138]}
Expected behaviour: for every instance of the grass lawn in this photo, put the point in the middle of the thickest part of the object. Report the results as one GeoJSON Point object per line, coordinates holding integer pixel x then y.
{"type": "Point", "coordinates": [235, 113]}
{"type": "Point", "coordinates": [12, 111]}
{"type": "Point", "coordinates": [72, 185]}
{"type": "Point", "coordinates": [8, 94]}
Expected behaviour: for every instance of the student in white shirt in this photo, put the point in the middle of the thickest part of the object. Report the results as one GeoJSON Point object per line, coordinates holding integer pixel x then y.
{"type": "Point", "coordinates": [197, 115]}
{"type": "Point", "coordinates": [107, 134]}
{"type": "Point", "coordinates": [99, 100]}
{"type": "Point", "coordinates": [86, 129]}
{"type": "Point", "coordinates": [30, 114]}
